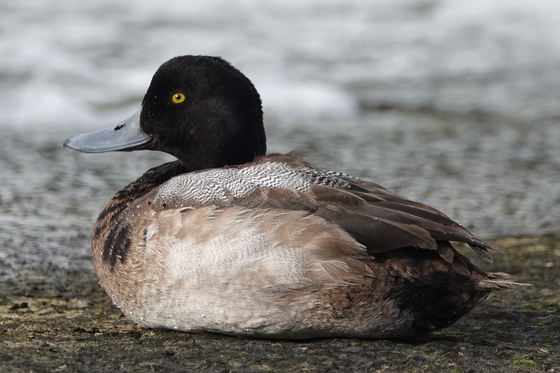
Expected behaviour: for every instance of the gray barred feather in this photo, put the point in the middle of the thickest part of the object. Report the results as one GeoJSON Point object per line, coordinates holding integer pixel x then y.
{"type": "Point", "coordinates": [225, 185]}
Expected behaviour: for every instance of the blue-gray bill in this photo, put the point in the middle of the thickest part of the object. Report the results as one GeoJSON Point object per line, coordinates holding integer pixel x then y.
{"type": "Point", "coordinates": [127, 136]}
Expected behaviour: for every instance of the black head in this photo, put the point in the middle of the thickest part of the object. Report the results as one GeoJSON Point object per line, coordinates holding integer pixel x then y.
{"type": "Point", "coordinates": [199, 109]}
{"type": "Point", "coordinates": [205, 112]}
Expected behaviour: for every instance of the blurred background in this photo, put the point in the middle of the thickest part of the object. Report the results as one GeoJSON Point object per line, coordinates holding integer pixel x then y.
{"type": "Point", "coordinates": [451, 103]}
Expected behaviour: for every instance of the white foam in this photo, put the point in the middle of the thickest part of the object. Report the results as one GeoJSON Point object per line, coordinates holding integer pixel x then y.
{"type": "Point", "coordinates": [292, 101]}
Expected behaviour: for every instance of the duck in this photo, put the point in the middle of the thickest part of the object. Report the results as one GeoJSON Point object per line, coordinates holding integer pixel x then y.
{"type": "Point", "coordinates": [229, 239]}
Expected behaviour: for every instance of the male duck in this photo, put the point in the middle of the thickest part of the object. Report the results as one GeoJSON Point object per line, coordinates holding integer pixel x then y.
{"type": "Point", "coordinates": [230, 240]}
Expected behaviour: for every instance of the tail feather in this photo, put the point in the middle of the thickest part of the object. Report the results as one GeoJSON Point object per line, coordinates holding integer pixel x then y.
{"type": "Point", "coordinates": [498, 281]}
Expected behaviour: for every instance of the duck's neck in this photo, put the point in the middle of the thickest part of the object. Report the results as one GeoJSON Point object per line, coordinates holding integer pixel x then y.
{"type": "Point", "coordinates": [233, 140]}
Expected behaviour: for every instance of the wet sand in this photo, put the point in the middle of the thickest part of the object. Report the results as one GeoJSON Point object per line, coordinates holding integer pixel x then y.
{"type": "Point", "coordinates": [71, 327]}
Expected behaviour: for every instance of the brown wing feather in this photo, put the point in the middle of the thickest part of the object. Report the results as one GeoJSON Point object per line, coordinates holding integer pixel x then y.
{"type": "Point", "coordinates": [378, 218]}
{"type": "Point", "coordinates": [378, 206]}
{"type": "Point", "coordinates": [376, 233]}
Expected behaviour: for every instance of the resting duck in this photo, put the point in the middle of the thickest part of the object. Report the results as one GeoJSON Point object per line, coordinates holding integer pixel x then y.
{"type": "Point", "coordinates": [230, 240]}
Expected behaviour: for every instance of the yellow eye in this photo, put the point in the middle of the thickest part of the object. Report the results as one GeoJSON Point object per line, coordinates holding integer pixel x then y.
{"type": "Point", "coordinates": [178, 98]}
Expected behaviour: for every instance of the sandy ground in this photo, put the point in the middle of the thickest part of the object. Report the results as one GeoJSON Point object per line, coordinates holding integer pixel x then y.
{"type": "Point", "coordinates": [72, 328]}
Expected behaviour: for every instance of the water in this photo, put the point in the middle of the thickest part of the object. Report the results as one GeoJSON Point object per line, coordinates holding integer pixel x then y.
{"type": "Point", "coordinates": [451, 103]}
{"type": "Point", "coordinates": [64, 61]}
